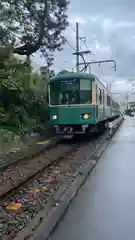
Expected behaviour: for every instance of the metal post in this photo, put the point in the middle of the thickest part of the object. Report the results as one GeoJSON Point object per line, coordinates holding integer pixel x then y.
{"type": "Point", "coordinates": [110, 86]}
{"type": "Point", "coordinates": [127, 98]}
{"type": "Point", "coordinates": [77, 47]}
{"type": "Point", "coordinates": [89, 68]}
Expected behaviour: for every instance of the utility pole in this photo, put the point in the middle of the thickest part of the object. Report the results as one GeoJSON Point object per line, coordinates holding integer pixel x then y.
{"type": "Point", "coordinates": [109, 86]}
{"type": "Point", "coordinates": [78, 52]}
{"type": "Point", "coordinates": [82, 53]}
{"type": "Point", "coordinates": [89, 68]}
{"type": "Point", "coordinates": [77, 47]}
{"type": "Point", "coordinates": [127, 99]}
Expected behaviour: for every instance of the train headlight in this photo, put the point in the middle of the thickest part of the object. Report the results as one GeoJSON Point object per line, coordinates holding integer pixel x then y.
{"type": "Point", "coordinates": [85, 116]}
{"type": "Point", "coordinates": [54, 117]}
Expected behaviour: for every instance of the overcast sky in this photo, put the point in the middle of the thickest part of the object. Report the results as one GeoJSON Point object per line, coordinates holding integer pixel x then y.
{"type": "Point", "coordinates": [110, 30]}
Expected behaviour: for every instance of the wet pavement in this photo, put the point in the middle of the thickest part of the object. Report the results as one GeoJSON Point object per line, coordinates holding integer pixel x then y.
{"type": "Point", "coordinates": [104, 208]}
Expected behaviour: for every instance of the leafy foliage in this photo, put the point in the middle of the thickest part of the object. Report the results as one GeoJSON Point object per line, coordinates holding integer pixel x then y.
{"type": "Point", "coordinates": [27, 26]}
{"type": "Point", "coordinates": [31, 25]}
{"type": "Point", "coordinates": [22, 96]}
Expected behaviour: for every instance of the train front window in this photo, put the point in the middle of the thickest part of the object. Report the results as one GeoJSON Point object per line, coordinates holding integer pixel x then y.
{"type": "Point", "coordinates": [85, 91]}
{"type": "Point", "coordinates": [71, 91]}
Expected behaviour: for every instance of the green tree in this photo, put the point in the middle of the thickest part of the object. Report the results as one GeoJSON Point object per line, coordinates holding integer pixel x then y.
{"type": "Point", "coordinates": [22, 96]}
{"type": "Point", "coordinates": [32, 25]}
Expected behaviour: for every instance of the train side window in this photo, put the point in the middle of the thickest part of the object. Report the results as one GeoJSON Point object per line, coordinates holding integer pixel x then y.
{"type": "Point", "coordinates": [100, 96]}
{"type": "Point", "coordinates": [47, 97]}
{"type": "Point", "coordinates": [103, 96]}
{"type": "Point", "coordinates": [85, 91]}
{"type": "Point", "coordinates": [85, 84]}
{"type": "Point", "coordinates": [108, 101]}
{"type": "Point", "coordinates": [96, 94]}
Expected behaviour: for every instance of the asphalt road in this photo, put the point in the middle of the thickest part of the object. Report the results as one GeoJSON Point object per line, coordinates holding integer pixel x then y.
{"type": "Point", "coordinates": [104, 208]}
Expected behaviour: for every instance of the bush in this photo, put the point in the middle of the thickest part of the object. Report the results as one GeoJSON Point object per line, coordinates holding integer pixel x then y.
{"type": "Point", "coordinates": [6, 136]}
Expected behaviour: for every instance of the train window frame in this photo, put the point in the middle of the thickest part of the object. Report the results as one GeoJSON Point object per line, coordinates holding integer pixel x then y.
{"type": "Point", "coordinates": [100, 96]}
{"type": "Point", "coordinates": [47, 97]}
{"type": "Point", "coordinates": [96, 93]}
{"type": "Point", "coordinates": [87, 89]}
{"type": "Point", "coordinates": [83, 80]}
{"type": "Point", "coordinates": [108, 100]}
{"type": "Point", "coordinates": [103, 93]}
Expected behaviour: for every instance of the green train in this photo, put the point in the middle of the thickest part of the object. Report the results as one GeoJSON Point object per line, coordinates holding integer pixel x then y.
{"type": "Point", "coordinates": [79, 103]}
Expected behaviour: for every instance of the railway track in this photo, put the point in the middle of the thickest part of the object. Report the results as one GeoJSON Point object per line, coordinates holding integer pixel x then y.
{"type": "Point", "coordinates": [16, 155]}
{"type": "Point", "coordinates": [17, 173]}
{"type": "Point", "coordinates": [31, 183]}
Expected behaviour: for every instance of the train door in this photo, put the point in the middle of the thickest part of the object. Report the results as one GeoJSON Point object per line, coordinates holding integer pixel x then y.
{"type": "Point", "coordinates": [97, 114]}
{"type": "Point", "coordinates": [103, 92]}
{"type": "Point", "coordinates": [100, 104]}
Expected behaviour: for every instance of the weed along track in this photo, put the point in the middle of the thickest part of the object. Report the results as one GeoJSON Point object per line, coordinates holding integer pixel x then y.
{"type": "Point", "coordinates": [29, 186]}
{"type": "Point", "coordinates": [18, 173]}
{"type": "Point", "coordinates": [23, 177]}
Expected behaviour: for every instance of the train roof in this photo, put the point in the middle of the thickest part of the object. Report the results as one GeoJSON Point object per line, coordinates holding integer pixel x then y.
{"type": "Point", "coordinates": [72, 75]}
{"type": "Point", "coordinates": [76, 75]}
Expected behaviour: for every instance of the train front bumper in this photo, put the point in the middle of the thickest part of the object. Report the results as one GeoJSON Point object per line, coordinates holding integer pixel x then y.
{"type": "Point", "coordinates": [79, 115]}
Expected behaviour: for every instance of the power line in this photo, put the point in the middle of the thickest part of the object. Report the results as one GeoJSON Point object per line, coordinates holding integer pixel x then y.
{"type": "Point", "coordinates": [85, 44]}
{"type": "Point", "coordinates": [77, 52]}
{"type": "Point", "coordinates": [81, 38]}
{"type": "Point", "coordinates": [72, 27]}
{"type": "Point", "coordinates": [68, 41]}
{"type": "Point", "coordinates": [81, 53]}
{"type": "Point", "coordinates": [69, 44]}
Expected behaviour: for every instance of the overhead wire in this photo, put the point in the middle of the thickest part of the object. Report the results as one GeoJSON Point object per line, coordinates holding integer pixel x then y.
{"type": "Point", "coordinates": [73, 48]}
{"type": "Point", "coordinates": [90, 53]}
{"type": "Point", "coordinates": [69, 44]}
{"type": "Point", "coordinates": [72, 27]}
{"type": "Point", "coordinates": [83, 40]}
{"type": "Point", "coordinates": [80, 45]}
